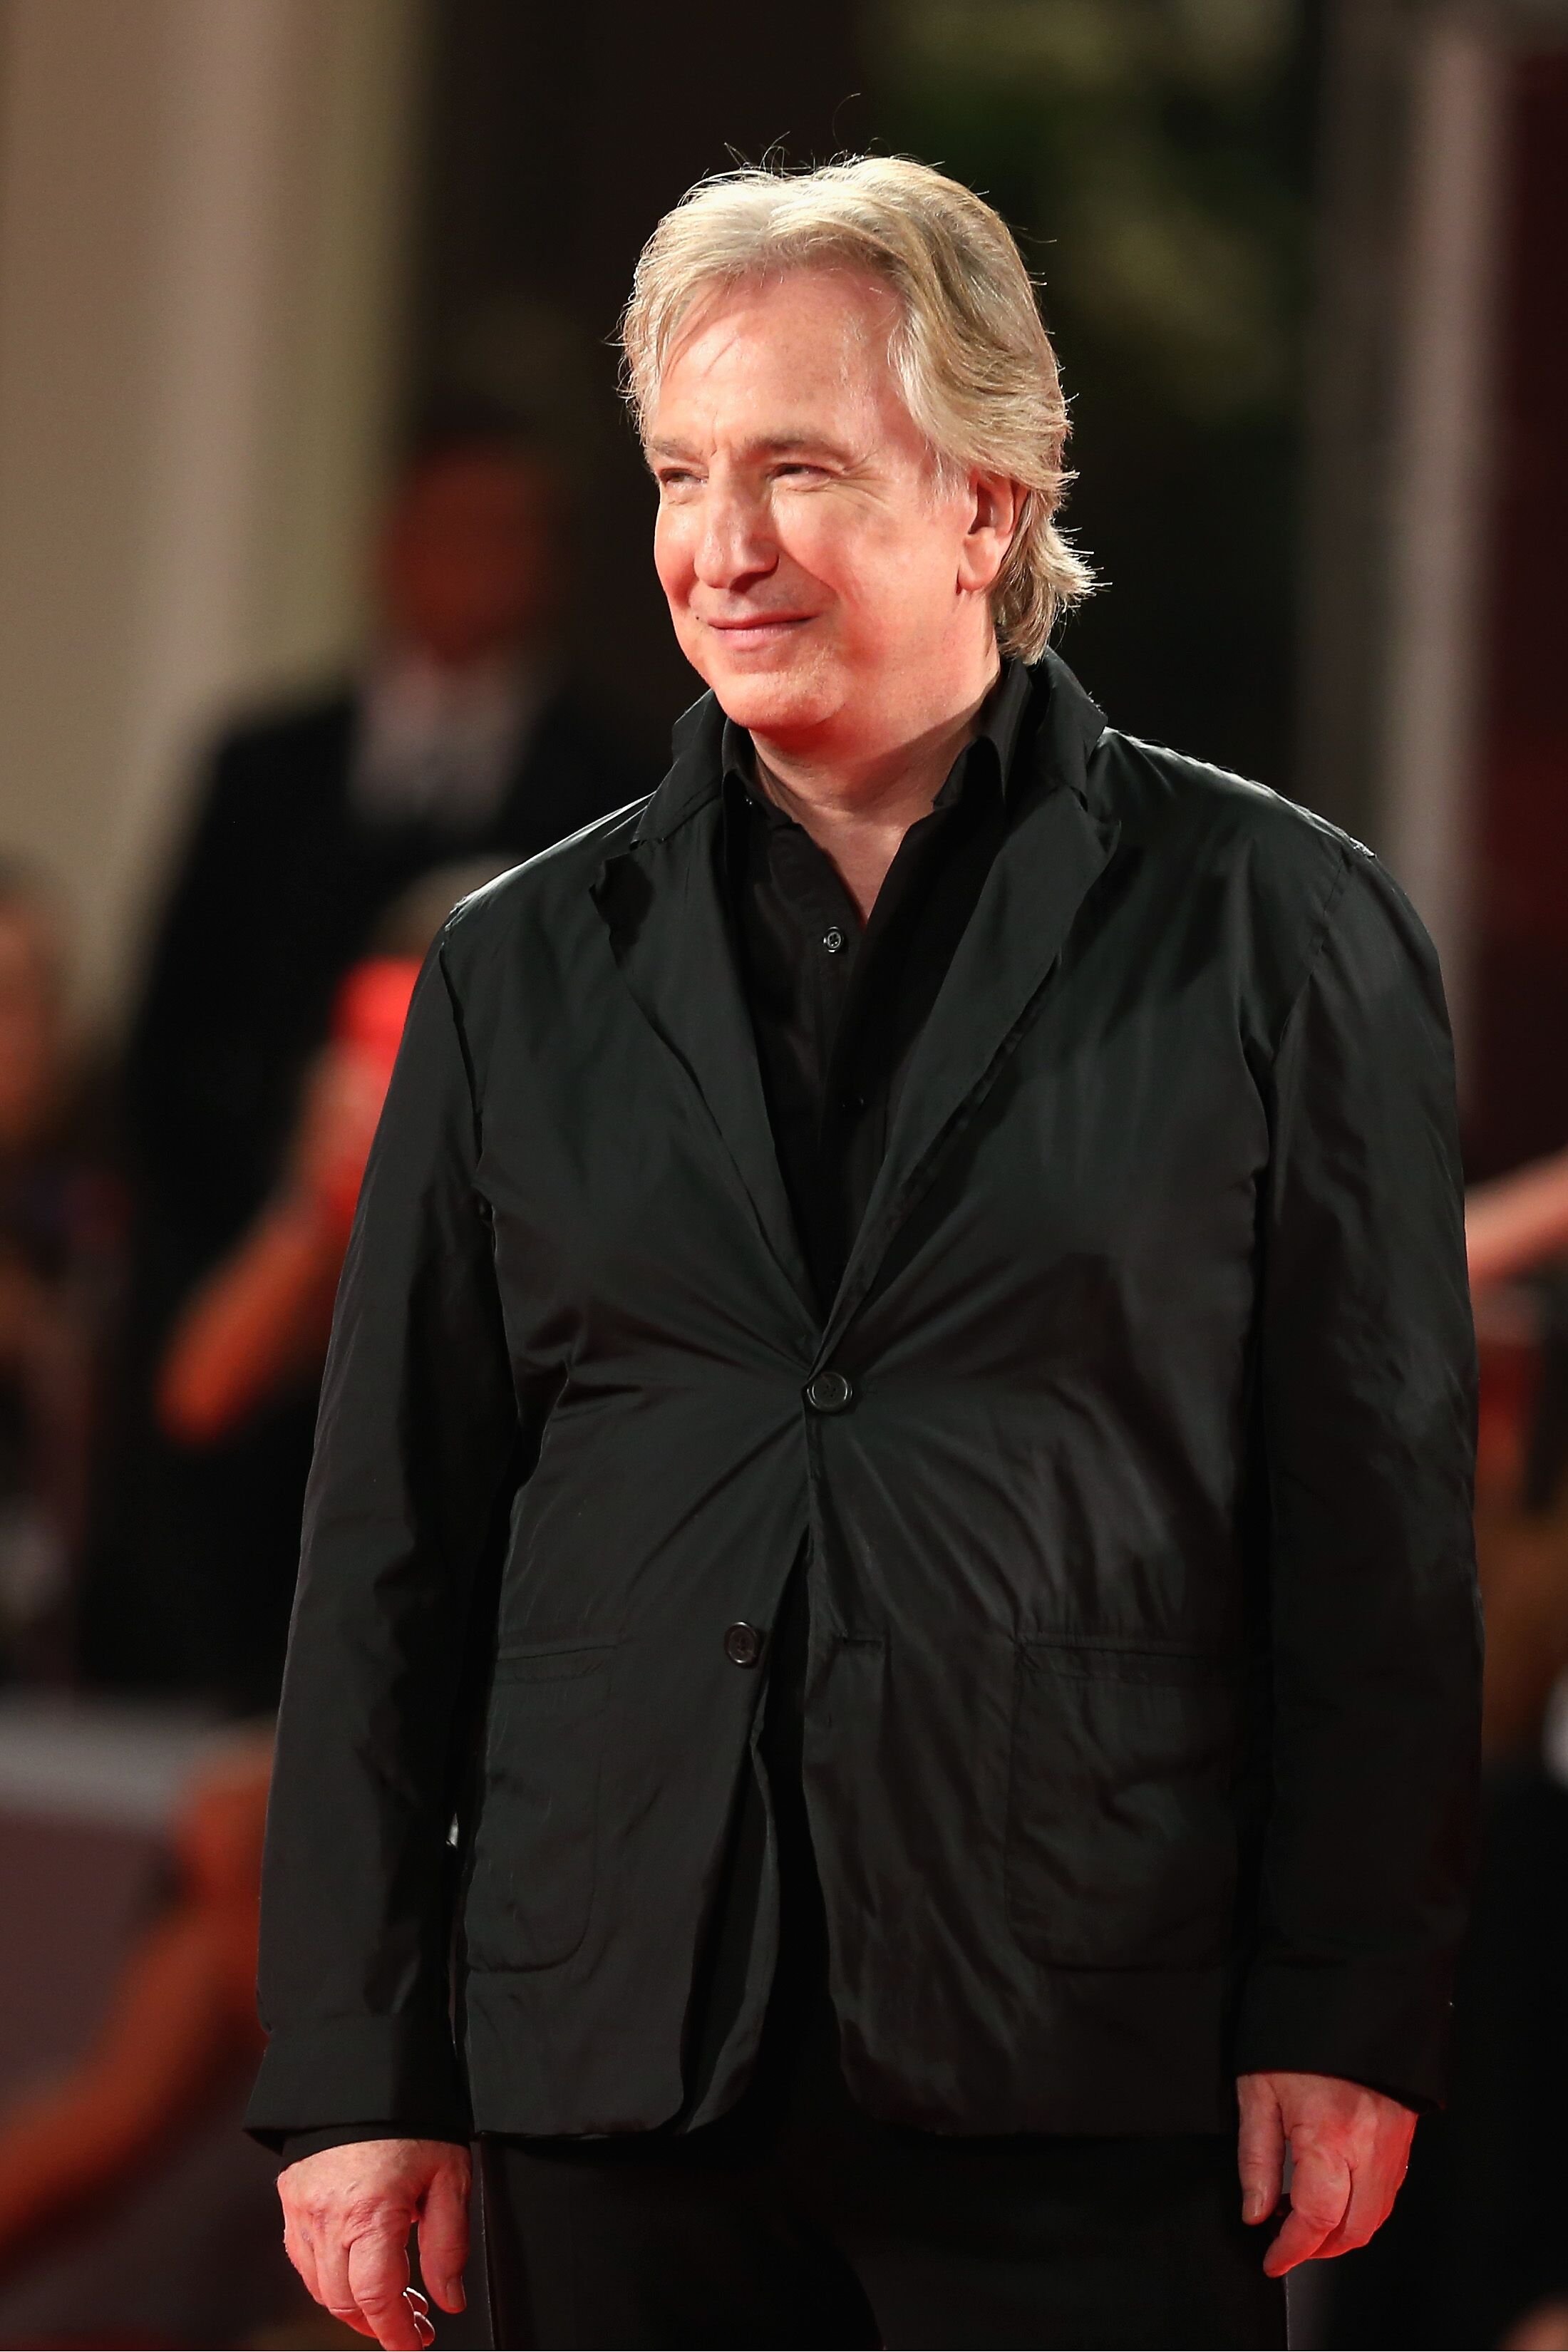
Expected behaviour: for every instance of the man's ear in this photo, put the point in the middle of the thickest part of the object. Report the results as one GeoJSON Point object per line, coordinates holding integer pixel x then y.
{"type": "Point", "coordinates": [996, 507]}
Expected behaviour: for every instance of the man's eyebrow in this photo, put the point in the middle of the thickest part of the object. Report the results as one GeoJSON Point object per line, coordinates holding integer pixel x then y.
{"type": "Point", "coordinates": [770, 445]}
{"type": "Point", "coordinates": [780, 445]}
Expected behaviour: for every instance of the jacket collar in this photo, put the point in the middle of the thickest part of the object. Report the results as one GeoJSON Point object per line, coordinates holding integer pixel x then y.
{"type": "Point", "coordinates": [1057, 844]}
{"type": "Point", "coordinates": [663, 904]}
{"type": "Point", "coordinates": [704, 742]}
{"type": "Point", "coordinates": [696, 773]}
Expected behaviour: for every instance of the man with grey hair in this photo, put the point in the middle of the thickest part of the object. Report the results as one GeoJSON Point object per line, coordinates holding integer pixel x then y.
{"type": "Point", "coordinates": [884, 1675]}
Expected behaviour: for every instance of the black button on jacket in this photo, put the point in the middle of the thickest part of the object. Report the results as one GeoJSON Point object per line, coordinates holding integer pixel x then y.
{"type": "Point", "coordinates": [1140, 1714]}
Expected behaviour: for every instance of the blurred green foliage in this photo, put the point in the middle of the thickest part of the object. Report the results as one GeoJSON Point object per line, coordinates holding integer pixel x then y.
{"type": "Point", "coordinates": [1153, 156]}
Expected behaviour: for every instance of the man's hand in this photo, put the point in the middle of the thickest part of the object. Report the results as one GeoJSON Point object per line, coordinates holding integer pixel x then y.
{"type": "Point", "coordinates": [1349, 2149]}
{"type": "Point", "coordinates": [347, 2214]}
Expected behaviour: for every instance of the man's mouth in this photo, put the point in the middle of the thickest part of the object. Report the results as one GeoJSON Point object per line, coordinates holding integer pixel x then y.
{"type": "Point", "coordinates": [755, 628]}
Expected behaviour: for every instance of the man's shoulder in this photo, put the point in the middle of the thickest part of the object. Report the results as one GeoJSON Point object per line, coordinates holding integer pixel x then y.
{"type": "Point", "coordinates": [544, 891]}
{"type": "Point", "coordinates": [1207, 817]}
{"type": "Point", "coordinates": [1291, 876]}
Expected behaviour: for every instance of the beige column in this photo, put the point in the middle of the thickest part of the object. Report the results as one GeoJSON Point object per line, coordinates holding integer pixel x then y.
{"type": "Point", "coordinates": [202, 240]}
{"type": "Point", "coordinates": [1439, 485]}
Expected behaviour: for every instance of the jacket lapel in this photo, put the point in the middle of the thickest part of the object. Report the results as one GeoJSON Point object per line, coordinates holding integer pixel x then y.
{"type": "Point", "coordinates": [661, 902]}
{"type": "Point", "coordinates": [1053, 854]}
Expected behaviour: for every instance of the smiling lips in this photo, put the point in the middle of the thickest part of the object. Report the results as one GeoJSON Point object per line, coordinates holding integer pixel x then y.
{"type": "Point", "coordinates": [761, 629]}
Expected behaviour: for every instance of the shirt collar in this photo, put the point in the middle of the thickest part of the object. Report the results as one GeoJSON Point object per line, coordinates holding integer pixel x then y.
{"type": "Point", "coordinates": [1057, 752]}
{"type": "Point", "coordinates": [1002, 716]}
{"type": "Point", "coordinates": [437, 743]}
{"type": "Point", "coordinates": [998, 724]}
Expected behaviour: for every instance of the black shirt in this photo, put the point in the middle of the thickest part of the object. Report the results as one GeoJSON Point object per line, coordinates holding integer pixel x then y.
{"type": "Point", "coordinates": [838, 1010]}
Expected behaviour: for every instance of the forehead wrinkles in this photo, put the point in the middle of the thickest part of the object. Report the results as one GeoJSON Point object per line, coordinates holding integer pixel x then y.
{"type": "Point", "coordinates": [864, 325]}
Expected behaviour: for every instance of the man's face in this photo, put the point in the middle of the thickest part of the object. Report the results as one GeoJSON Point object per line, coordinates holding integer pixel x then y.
{"type": "Point", "coordinates": [469, 556]}
{"type": "Point", "coordinates": [809, 549]}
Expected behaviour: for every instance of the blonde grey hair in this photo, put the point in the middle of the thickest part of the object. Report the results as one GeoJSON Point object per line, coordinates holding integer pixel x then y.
{"type": "Point", "coordinates": [971, 355]}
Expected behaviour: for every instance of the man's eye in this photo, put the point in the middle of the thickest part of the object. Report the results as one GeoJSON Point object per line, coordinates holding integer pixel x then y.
{"type": "Point", "coordinates": [675, 478]}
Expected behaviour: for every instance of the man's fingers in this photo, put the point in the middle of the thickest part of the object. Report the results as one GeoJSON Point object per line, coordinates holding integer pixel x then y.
{"type": "Point", "coordinates": [1320, 2197]}
{"type": "Point", "coordinates": [348, 2213]}
{"type": "Point", "coordinates": [1260, 2150]}
{"type": "Point", "coordinates": [1374, 2190]}
{"type": "Point", "coordinates": [403, 2325]}
{"type": "Point", "coordinates": [444, 2235]}
{"type": "Point", "coordinates": [378, 2287]}
{"type": "Point", "coordinates": [332, 2290]}
{"type": "Point", "coordinates": [1299, 2241]}
{"type": "Point", "coordinates": [1351, 2146]}
{"type": "Point", "coordinates": [298, 2247]}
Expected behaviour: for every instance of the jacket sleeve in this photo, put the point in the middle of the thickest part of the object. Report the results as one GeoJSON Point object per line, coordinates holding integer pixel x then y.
{"type": "Point", "coordinates": [1367, 1390]}
{"type": "Point", "coordinates": [418, 1449]}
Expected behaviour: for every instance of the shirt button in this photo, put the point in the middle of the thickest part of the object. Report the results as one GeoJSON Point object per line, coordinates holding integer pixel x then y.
{"type": "Point", "coordinates": [829, 1392]}
{"type": "Point", "coordinates": [742, 1644]}
{"type": "Point", "coordinates": [833, 939]}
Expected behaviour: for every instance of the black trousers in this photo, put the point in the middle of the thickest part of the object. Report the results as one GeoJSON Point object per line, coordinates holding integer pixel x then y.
{"type": "Point", "coordinates": [798, 2221]}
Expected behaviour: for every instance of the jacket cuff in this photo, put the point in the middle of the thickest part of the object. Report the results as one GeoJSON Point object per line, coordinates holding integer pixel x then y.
{"type": "Point", "coordinates": [292, 2146]}
{"type": "Point", "coordinates": [402, 2069]}
{"type": "Point", "coordinates": [1367, 2021]}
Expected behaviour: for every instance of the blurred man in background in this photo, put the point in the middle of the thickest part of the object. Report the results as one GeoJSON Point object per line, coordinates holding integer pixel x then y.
{"type": "Point", "coordinates": [259, 1322]}
{"type": "Point", "coordinates": [459, 741]}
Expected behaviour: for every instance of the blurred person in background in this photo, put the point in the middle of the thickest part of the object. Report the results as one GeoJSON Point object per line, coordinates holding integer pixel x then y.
{"type": "Point", "coordinates": [60, 1233]}
{"type": "Point", "coordinates": [1516, 1232]}
{"type": "Point", "coordinates": [81, 2153]}
{"type": "Point", "coordinates": [461, 739]}
{"type": "Point", "coordinates": [258, 1324]}
{"type": "Point", "coordinates": [180, 2032]}
{"type": "Point", "coordinates": [129, 2209]}
{"type": "Point", "coordinates": [1493, 2189]}
{"type": "Point", "coordinates": [1518, 1223]}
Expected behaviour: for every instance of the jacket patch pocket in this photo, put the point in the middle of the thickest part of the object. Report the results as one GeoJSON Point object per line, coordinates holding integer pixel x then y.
{"type": "Point", "coordinates": [532, 1884]}
{"type": "Point", "coordinates": [1121, 1836]}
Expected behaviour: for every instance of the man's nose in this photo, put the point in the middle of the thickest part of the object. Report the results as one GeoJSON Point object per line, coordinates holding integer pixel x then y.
{"type": "Point", "coordinates": [737, 544]}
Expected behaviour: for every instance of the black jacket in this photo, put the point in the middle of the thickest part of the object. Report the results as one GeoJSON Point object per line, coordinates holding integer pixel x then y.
{"type": "Point", "coordinates": [1134, 1456]}
{"type": "Point", "coordinates": [279, 891]}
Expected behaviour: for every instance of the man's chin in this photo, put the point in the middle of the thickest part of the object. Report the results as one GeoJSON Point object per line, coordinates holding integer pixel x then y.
{"type": "Point", "coordinates": [774, 700]}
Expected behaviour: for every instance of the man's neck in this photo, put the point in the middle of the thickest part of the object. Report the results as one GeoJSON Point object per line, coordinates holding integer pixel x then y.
{"type": "Point", "coordinates": [859, 805]}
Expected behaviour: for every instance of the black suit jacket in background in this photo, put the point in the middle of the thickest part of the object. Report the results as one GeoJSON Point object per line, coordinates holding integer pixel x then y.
{"type": "Point", "coordinates": [279, 892]}
{"type": "Point", "coordinates": [1141, 1708]}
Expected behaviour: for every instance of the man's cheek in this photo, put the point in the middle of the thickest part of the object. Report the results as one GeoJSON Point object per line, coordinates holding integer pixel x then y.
{"type": "Point", "coordinates": [671, 555]}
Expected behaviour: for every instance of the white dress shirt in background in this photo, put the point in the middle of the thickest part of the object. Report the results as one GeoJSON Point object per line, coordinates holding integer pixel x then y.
{"type": "Point", "coordinates": [441, 745]}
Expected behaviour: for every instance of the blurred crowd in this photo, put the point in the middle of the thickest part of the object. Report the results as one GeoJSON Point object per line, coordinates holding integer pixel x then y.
{"type": "Point", "coordinates": [326, 835]}
{"type": "Point", "coordinates": [174, 1223]}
